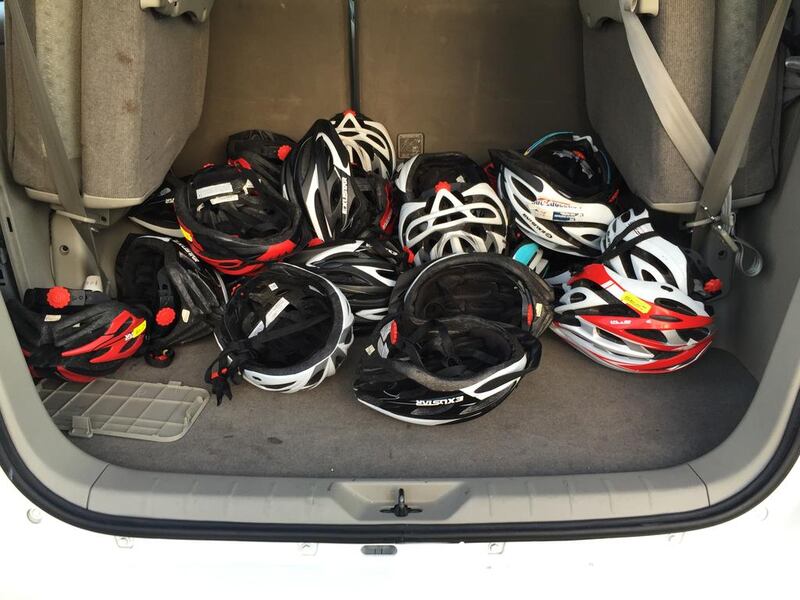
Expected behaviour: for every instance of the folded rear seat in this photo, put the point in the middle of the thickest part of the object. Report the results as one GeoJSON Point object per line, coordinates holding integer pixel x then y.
{"type": "Point", "coordinates": [126, 86]}
{"type": "Point", "coordinates": [706, 46]}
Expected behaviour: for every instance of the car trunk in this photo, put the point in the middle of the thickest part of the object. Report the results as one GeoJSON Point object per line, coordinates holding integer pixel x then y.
{"type": "Point", "coordinates": [468, 76]}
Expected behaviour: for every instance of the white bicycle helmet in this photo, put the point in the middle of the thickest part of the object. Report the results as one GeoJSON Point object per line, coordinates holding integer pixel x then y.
{"type": "Point", "coordinates": [634, 249]}
{"type": "Point", "coordinates": [368, 142]}
{"type": "Point", "coordinates": [631, 325]}
{"type": "Point", "coordinates": [453, 219]}
{"type": "Point", "coordinates": [561, 192]}
{"type": "Point", "coordinates": [284, 330]}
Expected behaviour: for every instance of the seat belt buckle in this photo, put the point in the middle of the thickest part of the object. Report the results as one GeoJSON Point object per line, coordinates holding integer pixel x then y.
{"type": "Point", "coordinates": [75, 217]}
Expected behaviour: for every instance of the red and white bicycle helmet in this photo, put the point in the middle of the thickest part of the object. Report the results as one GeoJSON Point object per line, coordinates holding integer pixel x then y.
{"type": "Point", "coordinates": [368, 142]}
{"type": "Point", "coordinates": [630, 325]}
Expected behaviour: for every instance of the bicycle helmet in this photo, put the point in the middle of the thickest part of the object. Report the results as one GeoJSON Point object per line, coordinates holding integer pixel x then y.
{"type": "Point", "coordinates": [262, 152]}
{"type": "Point", "coordinates": [532, 256]}
{"type": "Point", "coordinates": [421, 173]}
{"type": "Point", "coordinates": [184, 296]}
{"type": "Point", "coordinates": [443, 371]}
{"type": "Point", "coordinates": [234, 222]}
{"type": "Point", "coordinates": [451, 219]}
{"type": "Point", "coordinates": [364, 270]}
{"type": "Point", "coordinates": [368, 143]}
{"type": "Point", "coordinates": [561, 192]}
{"type": "Point", "coordinates": [634, 249]}
{"type": "Point", "coordinates": [157, 212]}
{"type": "Point", "coordinates": [285, 330]}
{"type": "Point", "coordinates": [75, 335]}
{"type": "Point", "coordinates": [630, 325]}
{"type": "Point", "coordinates": [489, 286]}
{"type": "Point", "coordinates": [339, 200]}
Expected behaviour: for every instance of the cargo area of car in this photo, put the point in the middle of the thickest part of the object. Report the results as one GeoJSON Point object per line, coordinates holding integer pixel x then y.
{"type": "Point", "coordinates": [469, 76]}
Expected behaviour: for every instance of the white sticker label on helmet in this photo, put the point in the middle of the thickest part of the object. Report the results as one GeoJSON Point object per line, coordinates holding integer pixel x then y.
{"type": "Point", "coordinates": [273, 286]}
{"type": "Point", "coordinates": [369, 350]}
{"type": "Point", "coordinates": [185, 314]}
{"type": "Point", "coordinates": [271, 315]}
{"type": "Point", "coordinates": [224, 199]}
{"type": "Point", "coordinates": [51, 318]}
{"type": "Point", "coordinates": [214, 190]}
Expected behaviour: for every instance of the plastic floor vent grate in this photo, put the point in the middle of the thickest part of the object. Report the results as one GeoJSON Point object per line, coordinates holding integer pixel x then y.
{"type": "Point", "coordinates": [131, 409]}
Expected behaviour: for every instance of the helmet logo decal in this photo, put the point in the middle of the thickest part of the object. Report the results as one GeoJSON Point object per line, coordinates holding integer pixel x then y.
{"type": "Point", "coordinates": [440, 401]}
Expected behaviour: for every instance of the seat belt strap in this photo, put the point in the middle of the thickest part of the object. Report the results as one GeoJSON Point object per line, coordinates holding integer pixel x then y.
{"type": "Point", "coordinates": [714, 171]}
{"type": "Point", "coordinates": [737, 131]}
{"type": "Point", "coordinates": [64, 179]}
{"type": "Point", "coordinates": [675, 116]}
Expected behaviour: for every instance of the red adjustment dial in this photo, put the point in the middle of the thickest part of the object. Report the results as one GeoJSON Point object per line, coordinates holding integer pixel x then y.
{"type": "Point", "coordinates": [442, 185]}
{"type": "Point", "coordinates": [241, 163]}
{"type": "Point", "coordinates": [58, 297]}
{"type": "Point", "coordinates": [283, 151]}
{"type": "Point", "coordinates": [393, 333]}
{"type": "Point", "coordinates": [713, 286]}
{"type": "Point", "coordinates": [349, 113]}
{"type": "Point", "coordinates": [165, 316]}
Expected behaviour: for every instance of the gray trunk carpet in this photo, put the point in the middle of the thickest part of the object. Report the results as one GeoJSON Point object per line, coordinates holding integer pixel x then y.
{"type": "Point", "coordinates": [569, 416]}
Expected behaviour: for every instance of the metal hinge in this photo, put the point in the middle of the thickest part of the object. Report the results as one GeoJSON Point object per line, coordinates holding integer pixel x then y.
{"type": "Point", "coordinates": [198, 9]}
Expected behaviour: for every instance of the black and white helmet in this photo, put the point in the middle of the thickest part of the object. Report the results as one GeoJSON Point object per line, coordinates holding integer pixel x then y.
{"type": "Point", "coordinates": [632, 248]}
{"type": "Point", "coordinates": [489, 286]}
{"type": "Point", "coordinates": [421, 173]}
{"type": "Point", "coordinates": [368, 142]}
{"type": "Point", "coordinates": [561, 192]}
{"type": "Point", "coordinates": [364, 270]}
{"type": "Point", "coordinates": [262, 152]}
{"type": "Point", "coordinates": [442, 371]}
{"type": "Point", "coordinates": [284, 330]}
{"type": "Point", "coordinates": [453, 219]}
{"type": "Point", "coordinates": [184, 296]}
{"type": "Point", "coordinates": [157, 212]}
{"type": "Point", "coordinates": [339, 200]}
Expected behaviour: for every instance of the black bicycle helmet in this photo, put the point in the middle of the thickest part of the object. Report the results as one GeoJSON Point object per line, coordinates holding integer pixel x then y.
{"type": "Point", "coordinates": [368, 142]}
{"type": "Point", "coordinates": [339, 199]}
{"type": "Point", "coordinates": [364, 270]}
{"type": "Point", "coordinates": [234, 222]}
{"type": "Point", "coordinates": [184, 295]}
{"type": "Point", "coordinates": [442, 371]}
{"type": "Point", "coordinates": [489, 286]}
{"type": "Point", "coordinates": [285, 330]}
{"type": "Point", "coordinates": [157, 211]}
{"type": "Point", "coordinates": [263, 152]}
{"type": "Point", "coordinates": [75, 335]}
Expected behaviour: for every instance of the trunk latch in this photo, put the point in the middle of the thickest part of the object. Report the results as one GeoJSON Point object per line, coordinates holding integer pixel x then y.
{"type": "Point", "coordinates": [401, 509]}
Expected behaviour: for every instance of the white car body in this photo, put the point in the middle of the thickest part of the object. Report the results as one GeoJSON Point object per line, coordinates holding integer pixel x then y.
{"type": "Point", "coordinates": [753, 555]}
